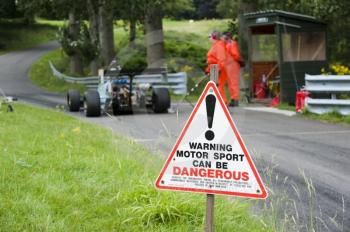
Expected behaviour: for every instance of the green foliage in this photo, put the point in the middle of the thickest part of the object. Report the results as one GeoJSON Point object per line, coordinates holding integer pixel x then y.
{"type": "Point", "coordinates": [40, 72]}
{"type": "Point", "coordinates": [8, 9]}
{"type": "Point", "coordinates": [181, 49]}
{"type": "Point", "coordinates": [286, 106]}
{"type": "Point", "coordinates": [73, 176]}
{"type": "Point", "coordinates": [336, 69]}
{"type": "Point", "coordinates": [185, 48]}
{"type": "Point", "coordinates": [232, 27]}
{"type": "Point", "coordinates": [83, 46]}
{"type": "Point", "coordinates": [227, 8]}
{"type": "Point", "coordinates": [178, 9]}
{"type": "Point", "coordinates": [133, 59]}
{"type": "Point", "coordinates": [15, 35]}
{"type": "Point", "coordinates": [333, 117]}
{"type": "Point", "coordinates": [205, 9]}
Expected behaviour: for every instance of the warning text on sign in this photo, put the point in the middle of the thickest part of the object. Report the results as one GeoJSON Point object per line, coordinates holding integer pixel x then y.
{"type": "Point", "coordinates": [210, 160]}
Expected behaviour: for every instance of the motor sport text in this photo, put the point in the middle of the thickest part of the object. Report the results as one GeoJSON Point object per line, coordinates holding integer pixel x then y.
{"type": "Point", "coordinates": [202, 166]}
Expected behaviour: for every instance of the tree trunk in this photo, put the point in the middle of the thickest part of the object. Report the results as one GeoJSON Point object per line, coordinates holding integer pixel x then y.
{"type": "Point", "coordinates": [28, 19]}
{"type": "Point", "coordinates": [244, 7]}
{"type": "Point", "coordinates": [132, 35]}
{"type": "Point", "coordinates": [93, 31]}
{"type": "Point", "coordinates": [106, 36]}
{"type": "Point", "coordinates": [154, 37]}
{"type": "Point", "coordinates": [75, 61]}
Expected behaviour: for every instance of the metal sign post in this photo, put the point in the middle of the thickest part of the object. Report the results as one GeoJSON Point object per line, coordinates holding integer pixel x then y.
{"type": "Point", "coordinates": [209, 218]}
{"type": "Point", "coordinates": [214, 73]}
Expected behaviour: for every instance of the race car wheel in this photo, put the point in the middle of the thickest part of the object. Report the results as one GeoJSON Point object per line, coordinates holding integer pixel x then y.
{"type": "Point", "coordinates": [160, 100]}
{"type": "Point", "coordinates": [92, 104]}
{"type": "Point", "coordinates": [73, 100]}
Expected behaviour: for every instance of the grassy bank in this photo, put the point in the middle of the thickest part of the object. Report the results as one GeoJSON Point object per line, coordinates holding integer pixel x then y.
{"type": "Point", "coordinates": [40, 72]}
{"type": "Point", "coordinates": [61, 174]}
{"type": "Point", "coordinates": [332, 117]}
{"type": "Point", "coordinates": [16, 35]}
{"type": "Point", "coordinates": [199, 27]}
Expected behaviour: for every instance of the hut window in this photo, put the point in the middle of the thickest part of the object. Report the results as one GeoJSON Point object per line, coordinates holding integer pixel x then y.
{"type": "Point", "coordinates": [304, 46]}
{"type": "Point", "coordinates": [264, 47]}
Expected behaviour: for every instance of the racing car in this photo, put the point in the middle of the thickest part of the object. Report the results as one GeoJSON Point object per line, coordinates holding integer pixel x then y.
{"type": "Point", "coordinates": [118, 94]}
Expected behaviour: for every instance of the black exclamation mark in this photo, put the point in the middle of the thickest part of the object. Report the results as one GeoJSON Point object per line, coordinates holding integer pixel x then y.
{"type": "Point", "coordinates": [210, 101]}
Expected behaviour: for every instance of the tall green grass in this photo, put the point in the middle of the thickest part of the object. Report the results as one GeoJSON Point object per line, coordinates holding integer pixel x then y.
{"type": "Point", "coordinates": [332, 117]}
{"type": "Point", "coordinates": [40, 72]}
{"type": "Point", "coordinates": [58, 173]}
{"type": "Point", "coordinates": [199, 27]}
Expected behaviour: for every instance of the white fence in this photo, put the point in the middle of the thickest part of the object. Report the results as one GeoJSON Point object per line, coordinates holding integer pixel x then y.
{"type": "Point", "coordinates": [328, 84]}
{"type": "Point", "coordinates": [176, 82]}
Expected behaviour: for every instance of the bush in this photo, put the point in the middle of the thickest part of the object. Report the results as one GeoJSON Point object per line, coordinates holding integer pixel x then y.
{"type": "Point", "coordinates": [183, 52]}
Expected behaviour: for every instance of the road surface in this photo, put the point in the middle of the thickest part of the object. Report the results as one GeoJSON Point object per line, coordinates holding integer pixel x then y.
{"type": "Point", "coordinates": [295, 156]}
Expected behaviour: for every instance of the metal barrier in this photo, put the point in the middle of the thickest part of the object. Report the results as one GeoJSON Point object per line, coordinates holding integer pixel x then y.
{"type": "Point", "coordinates": [89, 82]}
{"type": "Point", "coordinates": [176, 82]}
{"type": "Point", "coordinates": [328, 84]}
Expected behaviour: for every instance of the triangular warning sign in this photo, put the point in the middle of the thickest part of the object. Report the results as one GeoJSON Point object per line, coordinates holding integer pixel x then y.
{"type": "Point", "coordinates": [210, 155]}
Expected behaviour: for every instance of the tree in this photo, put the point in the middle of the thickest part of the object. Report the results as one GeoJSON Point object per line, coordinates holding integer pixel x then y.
{"type": "Point", "coordinates": [105, 26]}
{"type": "Point", "coordinates": [8, 9]}
{"type": "Point", "coordinates": [205, 9]}
{"type": "Point", "coordinates": [245, 6]}
{"type": "Point", "coordinates": [132, 12]}
{"type": "Point", "coordinates": [92, 7]}
{"type": "Point", "coordinates": [178, 9]}
{"type": "Point", "coordinates": [154, 34]}
{"type": "Point", "coordinates": [28, 9]}
{"type": "Point", "coordinates": [75, 61]}
{"type": "Point", "coordinates": [227, 8]}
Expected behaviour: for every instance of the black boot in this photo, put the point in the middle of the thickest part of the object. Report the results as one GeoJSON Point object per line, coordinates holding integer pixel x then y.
{"type": "Point", "coordinates": [234, 103]}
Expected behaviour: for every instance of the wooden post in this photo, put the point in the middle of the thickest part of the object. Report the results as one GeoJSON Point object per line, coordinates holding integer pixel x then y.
{"type": "Point", "coordinates": [209, 217]}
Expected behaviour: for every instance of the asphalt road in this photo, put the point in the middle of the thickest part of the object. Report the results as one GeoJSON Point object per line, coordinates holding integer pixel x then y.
{"type": "Point", "coordinates": [295, 154]}
{"type": "Point", "coordinates": [14, 81]}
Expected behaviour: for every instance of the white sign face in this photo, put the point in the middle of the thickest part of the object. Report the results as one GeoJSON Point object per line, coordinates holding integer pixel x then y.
{"type": "Point", "coordinates": [210, 155]}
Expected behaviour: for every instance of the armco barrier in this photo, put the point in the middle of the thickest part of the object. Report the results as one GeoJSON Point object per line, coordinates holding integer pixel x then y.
{"type": "Point", "coordinates": [327, 84]}
{"type": "Point", "coordinates": [176, 82]}
{"type": "Point", "coordinates": [89, 82]}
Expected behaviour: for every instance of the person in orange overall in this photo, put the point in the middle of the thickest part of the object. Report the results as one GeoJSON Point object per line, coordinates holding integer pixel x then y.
{"type": "Point", "coordinates": [217, 55]}
{"type": "Point", "coordinates": [234, 62]}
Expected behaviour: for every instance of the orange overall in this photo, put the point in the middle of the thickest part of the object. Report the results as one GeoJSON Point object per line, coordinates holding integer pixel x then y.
{"type": "Point", "coordinates": [217, 55]}
{"type": "Point", "coordinates": [233, 68]}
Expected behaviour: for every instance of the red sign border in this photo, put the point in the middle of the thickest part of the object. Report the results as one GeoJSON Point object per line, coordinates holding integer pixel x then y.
{"type": "Point", "coordinates": [263, 193]}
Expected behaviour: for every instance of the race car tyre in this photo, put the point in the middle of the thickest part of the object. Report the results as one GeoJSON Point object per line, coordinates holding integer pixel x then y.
{"type": "Point", "coordinates": [160, 100]}
{"type": "Point", "coordinates": [73, 100]}
{"type": "Point", "coordinates": [92, 104]}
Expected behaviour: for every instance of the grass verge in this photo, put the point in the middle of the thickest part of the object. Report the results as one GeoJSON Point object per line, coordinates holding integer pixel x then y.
{"type": "Point", "coordinates": [40, 73]}
{"type": "Point", "coordinates": [16, 35]}
{"type": "Point", "coordinates": [333, 117]}
{"type": "Point", "coordinates": [286, 106]}
{"type": "Point", "coordinates": [62, 174]}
